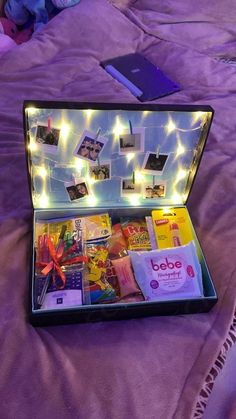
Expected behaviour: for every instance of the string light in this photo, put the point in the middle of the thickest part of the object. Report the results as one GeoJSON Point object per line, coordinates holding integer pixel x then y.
{"type": "Point", "coordinates": [31, 111]}
{"type": "Point", "coordinates": [89, 113]}
{"type": "Point", "coordinates": [65, 129]}
{"type": "Point", "coordinates": [130, 156]}
{"type": "Point", "coordinates": [79, 164]}
{"type": "Point", "coordinates": [92, 200]}
{"type": "Point", "coordinates": [41, 171]}
{"type": "Point", "coordinates": [118, 128]}
{"type": "Point", "coordinates": [176, 198]}
{"type": "Point", "coordinates": [32, 146]}
{"type": "Point", "coordinates": [139, 177]}
{"type": "Point", "coordinates": [181, 175]}
{"type": "Point", "coordinates": [170, 127]}
{"type": "Point", "coordinates": [198, 116]}
{"type": "Point", "coordinates": [134, 199]}
{"type": "Point", "coordinates": [43, 200]}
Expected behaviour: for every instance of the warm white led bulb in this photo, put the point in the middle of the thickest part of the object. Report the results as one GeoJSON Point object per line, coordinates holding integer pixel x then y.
{"type": "Point", "coordinates": [92, 200]}
{"type": "Point", "coordinates": [130, 156]}
{"type": "Point", "coordinates": [170, 127]}
{"type": "Point", "coordinates": [135, 199]}
{"type": "Point", "coordinates": [41, 171]}
{"type": "Point", "coordinates": [118, 128]}
{"type": "Point", "coordinates": [65, 128]}
{"type": "Point", "coordinates": [181, 175]}
{"type": "Point", "coordinates": [43, 200]}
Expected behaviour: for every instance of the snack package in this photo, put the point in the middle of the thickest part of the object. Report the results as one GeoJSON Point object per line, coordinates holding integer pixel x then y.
{"type": "Point", "coordinates": [136, 233]}
{"type": "Point", "coordinates": [172, 227]}
{"type": "Point", "coordinates": [168, 274]}
{"type": "Point", "coordinates": [127, 283]}
{"type": "Point", "coordinates": [99, 288]}
{"type": "Point", "coordinates": [95, 227]}
{"type": "Point", "coordinates": [117, 245]}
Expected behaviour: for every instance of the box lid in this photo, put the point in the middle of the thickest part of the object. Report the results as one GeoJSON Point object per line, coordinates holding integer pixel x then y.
{"type": "Point", "coordinates": [113, 155]}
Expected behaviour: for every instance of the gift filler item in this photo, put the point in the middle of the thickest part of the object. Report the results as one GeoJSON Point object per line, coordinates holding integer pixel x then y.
{"type": "Point", "coordinates": [168, 274]}
{"type": "Point", "coordinates": [172, 227]}
{"type": "Point", "coordinates": [143, 79]}
{"type": "Point", "coordinates": [105, 180]}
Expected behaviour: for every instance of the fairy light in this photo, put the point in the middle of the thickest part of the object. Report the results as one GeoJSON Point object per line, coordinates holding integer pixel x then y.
{"type": "Point", "coordinates": [130, 156]}
{"type": "Point", "coordinates": [118, 128]}
{"type": "Point", "coordinates": [146, 113]}
{"type": "Point", "coordinates": [65, 129]}
{"type": "Point", "coordinates": [31, 111]}
{"type": "Point", "coordinates": [181, 175]}
{"type": "Point", "coordinates": [198, 116]}
{"type": "Point", "coordinates": [79, 164]}
{"type": "Point", "coordinates": [42, 171]}
{"type": "Point", "coordinates": [176, 198]}
{"type": "Point", "coordinates": [139, 177]}
{"type": "Point", "coordinates": [32, 146]}
{"type": "Point", "coordinates": [88, 114]}
{"type": "Point", "coordinates": [134, 199]}
{"type": "Point", "coordinates": [92, 200]}
{"type": "Point", "coordinates": [170, 127]}
{"type": "Point", "coordinates": [90, 180]}
{"type": "Point", "coordinates": [43, 200]}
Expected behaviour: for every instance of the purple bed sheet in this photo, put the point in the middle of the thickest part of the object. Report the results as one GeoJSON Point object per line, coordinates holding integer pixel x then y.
{"type": "Point", "coordinates": [144, 368]}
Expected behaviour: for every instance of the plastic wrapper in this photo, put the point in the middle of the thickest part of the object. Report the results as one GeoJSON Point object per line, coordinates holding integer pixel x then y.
{"type": "Point", "coordinates": [168, 274]}
{"type": "Point", "coordinates": [136, 233]}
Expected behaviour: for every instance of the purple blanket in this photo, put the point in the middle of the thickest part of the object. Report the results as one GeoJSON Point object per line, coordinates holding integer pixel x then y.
{"type": "Point", "coordinates": [145, 368]}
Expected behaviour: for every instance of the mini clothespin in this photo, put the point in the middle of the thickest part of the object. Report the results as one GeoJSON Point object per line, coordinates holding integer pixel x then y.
{"type": "Point", "coordinates": [96, 138]}
{"type": "Point", "coordinates": [158, 151]}
{"type": "Point", "coordinates": [49, 127]}
{"type": "Point", "coordinates": [153, 181]}
{"type": "Point", "coordinates": [133, 177]}
{"type": "Point", "coordinates": [130, 127]}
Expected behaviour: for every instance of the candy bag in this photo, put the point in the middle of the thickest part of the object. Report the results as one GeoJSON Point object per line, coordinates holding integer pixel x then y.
{"type": "Point", "coordinates": [136, 233]}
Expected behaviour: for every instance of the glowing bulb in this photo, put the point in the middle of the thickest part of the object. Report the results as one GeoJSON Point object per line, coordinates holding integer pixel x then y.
{"type": "Point", "coordinates": [138, 176]}
{"type": "Point", "coordinates": [31, 111]}
{"type": "Point", "coordinates": [181, 175]}
{"type": "Point", "coordinates": [180, 150]}
{"type": "Point", "coordinates": [65, 128]}
{"type": "Point", "coordinates": [92, 201]}
{"type": "Point", "coordinates": [176, 198]}
{"type": "Point", "coordinates": [90, 180]}
{"type": "Point", "coordinates": [197, 116]}
{"type": "Point", "coordinates": [32, 146]}
{"type": "Point", "coordinates": [118, 128]}
{"type": "Point", "coordinates": [134, 199]}
{"type": "Point", "coordinates": [170, 127]}
{"type": "Point", "coordinates": [43, 200]}
{"type": "Point", "coordinates": [130, 156]}
{"type": "Point", "coordinates": [145, 113]}
{"type": "Point", "coordinates": [89, 113]}
{"type": "Point", "coordinates": [79, 164]}
{"type": "Point", "coordinates": [41, 171]}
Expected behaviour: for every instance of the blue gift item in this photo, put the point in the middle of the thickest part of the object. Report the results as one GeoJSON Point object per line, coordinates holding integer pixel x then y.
{"type": "Point", "coordinates": [91, 166]}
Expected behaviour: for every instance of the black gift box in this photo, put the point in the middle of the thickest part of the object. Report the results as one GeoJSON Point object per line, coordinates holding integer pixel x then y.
{"type": "Point", "coordinates": [141, 149]}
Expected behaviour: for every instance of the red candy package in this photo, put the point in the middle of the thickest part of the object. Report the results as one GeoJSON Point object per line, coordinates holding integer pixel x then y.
{"type": "Point", "coordinates": [136, 234]}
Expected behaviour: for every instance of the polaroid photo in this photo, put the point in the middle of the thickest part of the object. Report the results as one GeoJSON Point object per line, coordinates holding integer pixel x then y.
{"type": "Point", "coordinates": [47, 138]}
{"type": "Point", "coordinates": [89, 147]}
{"type": "Point", "coordinates": [154, 190]}
{"type": "Point", "coordinates": [100, 172]}
{"type": "Point", "coordinates": [154, 165]}
{"type": "Point", "coordinates": [131, 143]}
{"type": "Point", "coordinates": [77, 190]}
{"type": "Point", "coordinates": [128, 187]}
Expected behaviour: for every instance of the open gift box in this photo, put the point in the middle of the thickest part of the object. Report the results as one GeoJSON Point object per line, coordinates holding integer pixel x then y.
{"type": "Point", "coordinates": [122, 162]}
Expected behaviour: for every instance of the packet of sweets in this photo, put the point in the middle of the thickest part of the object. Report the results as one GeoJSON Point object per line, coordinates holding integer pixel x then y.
{"type": "Point", "coordinates": [95, 227]}
{"type": "Point", "coordinates": [117, 245]}
{"type": "Point", "coordinates": [136, 233]}
{"type": "Point", "coordinates": [168, 274]}
{"type": "Point", "coordinates": [100, 289]}
{"type": "Point", "coordinates": [127, 283]}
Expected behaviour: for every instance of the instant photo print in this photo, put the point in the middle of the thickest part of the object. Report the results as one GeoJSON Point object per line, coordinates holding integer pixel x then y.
{"type": "Point", "coordinates": [99, 176]}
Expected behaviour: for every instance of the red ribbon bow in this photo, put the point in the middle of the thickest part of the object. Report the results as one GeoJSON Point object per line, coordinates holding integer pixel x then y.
{"type": "Point", "coordinates": [58, 258]}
